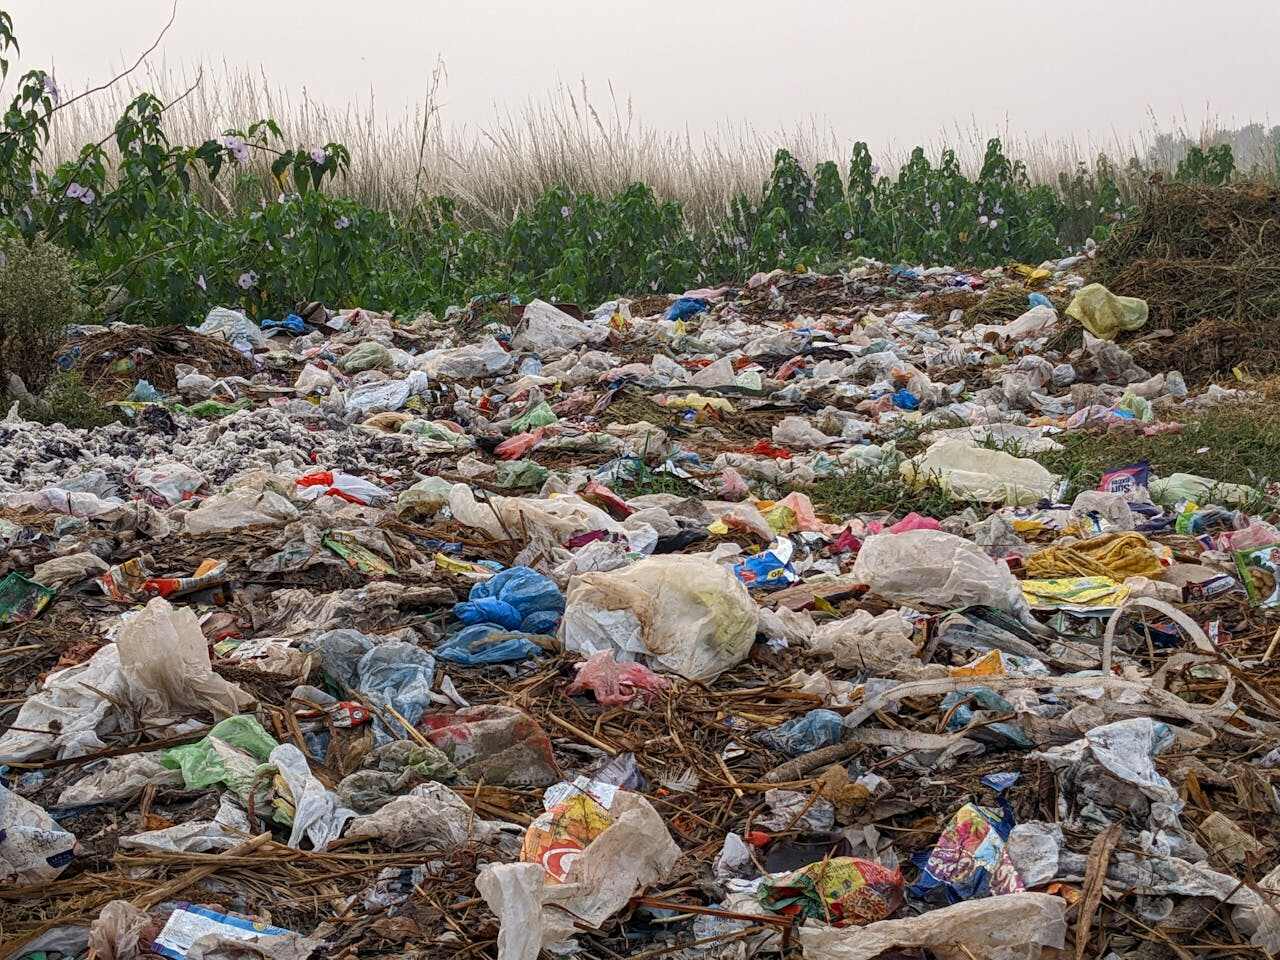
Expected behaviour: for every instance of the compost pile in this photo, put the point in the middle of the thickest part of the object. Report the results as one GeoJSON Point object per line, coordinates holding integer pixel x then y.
{"type": "Point", "coordinates": [583, 633]}
{"type": "Point", "coordinates": [1207, 261]}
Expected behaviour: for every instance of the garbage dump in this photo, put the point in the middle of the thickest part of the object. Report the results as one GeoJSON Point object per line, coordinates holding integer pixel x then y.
{"type": "Point", "coordinates": [783, 619]}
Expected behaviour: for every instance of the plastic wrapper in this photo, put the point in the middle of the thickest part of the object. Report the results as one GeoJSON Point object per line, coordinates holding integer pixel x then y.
{"type": "Point", "coordinates": [842, 891]}
{"type": "Point", "coordinates": [494, 745]}
{"type": "Point", "coordinates": [682, 614]}
{"type": "Point", "coordinates": [970, 858]}
{"type": "Point", "coordinates": [549, 331]}
{"type": "Point", "coordinates": [932, 567]}
{"type": "Point", "coordinates": [33, 849]}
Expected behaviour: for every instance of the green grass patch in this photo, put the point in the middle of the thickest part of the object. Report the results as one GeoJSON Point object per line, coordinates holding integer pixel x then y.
{"type": "Point", "coordinates": [1238, 443]}
{"type": "Point", "coordinates": [878, 490]}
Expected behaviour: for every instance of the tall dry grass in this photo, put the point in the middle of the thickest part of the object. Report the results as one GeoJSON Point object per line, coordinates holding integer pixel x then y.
{"type": "Point", "coordinates": [566, 138]}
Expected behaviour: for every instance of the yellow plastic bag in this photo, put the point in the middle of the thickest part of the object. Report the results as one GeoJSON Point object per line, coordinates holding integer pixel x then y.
{"type": "Point", "coordinates": [1106, 315]}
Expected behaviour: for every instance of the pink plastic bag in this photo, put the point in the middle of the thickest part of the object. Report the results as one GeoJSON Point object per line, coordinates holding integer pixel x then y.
{"type": "Point", "coordinates": [615, 684]}
{"type": "Point", "coordinates": [913, 521]}
{"type": "Point", "coordinates": [732, 485]}
{"type": "Point", "coordinates": [513, 448]}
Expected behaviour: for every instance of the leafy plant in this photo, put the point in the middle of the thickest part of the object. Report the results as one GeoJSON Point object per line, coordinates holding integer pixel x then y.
{"type": "Point", "coordinates": [39, 296]}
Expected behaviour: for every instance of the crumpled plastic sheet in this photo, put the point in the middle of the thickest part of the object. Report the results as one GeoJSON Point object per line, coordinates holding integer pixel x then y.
{"type": "Point", "coordinates": [634, 852]}
{"type": "Point", "coordinates": [430, 816]}
{"type": "Point", "coordinates": [933, 567]}
{"type": "Point", "coordinates": [318, 817]}
{"type": "Point", "coordinates": [33, 848]}
{"type": "Point", "coordinates": [1019, 926]}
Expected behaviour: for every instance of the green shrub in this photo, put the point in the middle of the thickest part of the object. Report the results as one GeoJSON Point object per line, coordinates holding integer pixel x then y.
{"type": "Point", "coordinates": [39, 296]}
{"type": "Point", "coordinates": [66, 400]}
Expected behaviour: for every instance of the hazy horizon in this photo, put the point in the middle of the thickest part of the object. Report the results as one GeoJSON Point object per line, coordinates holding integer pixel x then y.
{"type": "Point", "coordinates": [1094, 71]}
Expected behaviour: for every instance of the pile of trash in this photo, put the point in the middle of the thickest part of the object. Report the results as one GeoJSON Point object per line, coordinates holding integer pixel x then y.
{"type": "Point", "coordinates": [541, 629]}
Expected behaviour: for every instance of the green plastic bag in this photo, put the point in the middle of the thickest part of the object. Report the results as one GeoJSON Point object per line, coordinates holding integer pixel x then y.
{"type": "Point", "coordinates": [369, 355]}
{"type": "Point", "coordinates": [231, 754]}
{"type": "Point", "coordinates": [540, 416]}
{"type": "Point", "coordinates": [1106, 315]}
{"type": "Point", "coordinates": [520, 473]}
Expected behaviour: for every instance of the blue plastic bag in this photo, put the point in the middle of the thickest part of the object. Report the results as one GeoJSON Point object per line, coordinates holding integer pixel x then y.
{"type": "Point", "coordinates": [510, 599]}
{"type": "Point", "coordinates": [292, 323]}
{"type": "Point", "coordinates": [399, 675]}
{"type": "Point", "coordinates": [1039, 300]}
{"type": "Point", "coordinates": [476, 646]}
{"type": "Point", "coordinates": [815, 730]}
{"type": "Point", "coordinates": [686, 307]}
{"type": "Point", "coordinates": [904, 399]}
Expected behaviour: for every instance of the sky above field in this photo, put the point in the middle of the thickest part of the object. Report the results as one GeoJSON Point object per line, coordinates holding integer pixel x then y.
{"type": "Point", "coordinates": [886, 72]}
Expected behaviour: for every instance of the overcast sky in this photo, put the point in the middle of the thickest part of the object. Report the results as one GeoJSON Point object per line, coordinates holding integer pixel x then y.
{"type": "Point", "coordinates": [880, 71]}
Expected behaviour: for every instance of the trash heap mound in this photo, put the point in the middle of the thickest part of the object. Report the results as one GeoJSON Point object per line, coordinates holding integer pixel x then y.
{"type": "Point", "coordinates": [768, 620]}
{"type": "Point", "coordinates": [1207, 261]}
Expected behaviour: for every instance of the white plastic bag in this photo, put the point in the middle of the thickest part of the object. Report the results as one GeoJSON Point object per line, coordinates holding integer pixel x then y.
{"type": "Point", "coordinates": [933, 567]}
{"type": "Point", "coordinates": [226, 512]}
{"type": "Point", "coordinates": [317, 816]}
{"type": "Point", "coordinates": [33, 848]}
{"type": "Point", "coordinates": [67, 704]}
{"type": "Point", "coordinates": [483, 359]}
{"type": "Point", "coordinates": [165, 661]}
{"type": "Point", "coordinates": [429, 816]}
{"type": "Point", "coordinates": [633, 852]}
{"type": "Point", "coordinates": [966, 472]}
{"type": "Point", "coordinates": [549, 330]}
{"type": "Point", "coordinates": [686, 615]}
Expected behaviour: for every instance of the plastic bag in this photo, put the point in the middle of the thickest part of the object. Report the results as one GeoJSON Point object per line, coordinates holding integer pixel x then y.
{"type": "Point", "coordinates": [881, 644]}
{"type": "Point", "coordinates": [966, 472]}
{"type": "Point", "coordinates": [229, 754]}
{"type": "Point", "coordinates": [381, 396]}
{"type": "Point", "coordinates": [486, 643]}
{"type": "Point", "coordinates": [1015, 927]}
{"type": "Point", "coordinates": [429, 816]}
{"type": "Point", "coordinates": [231, 325]}
{"type": "Point", "coordinates": [33, 849]}
{"type": "Point", "coordinates": [120, 778]}
{"type": "Point", "coordinates": [424, 498]}
{"type": "Point", "coordinates": [798, 433]}
{"type": "Point", "coordinates": [165, 661]}
{"type": "Point", "coordinates": [804, 734]}
{"type": "Point", "coordinates": [519, 598]}
{"type": "Point", "coordinates": [114, 935]}
{"type": "Point", "coordinates": [615, 684]}
{"type": "Point", "coordinates": [496, 745]}
{"type": "Point", "coordinates": [633, 852]}
{"type": "Point", "coordinates": [483, 359]}
{"type": "Point", "coordinates": [1106, 315]}
{"type": "Point", "coordinates": [683, 614]}
{"type": "Point", "coordinates": [313, 379]}
{"type": "Point", "coordinates": [369, 355]}
{"type": "Point", "coordinates": [932, 567]}
{"type": "Point", "coordinates": [1177, 487]}
{"type": "Point", "coordinates": [549, 331]}
{"type": "Point", "coordinates": [70, 707]}
{"type": "Point", "coordinates": [227, 512]}
{"type": "Point", "coordinates": [398, 675]}
{"type": "Point", "coordinates": [344, 486]}
{"type": "Point", "coordinates": [317, 815]}
{"type": "Point", "coordinates": [390, 770]}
